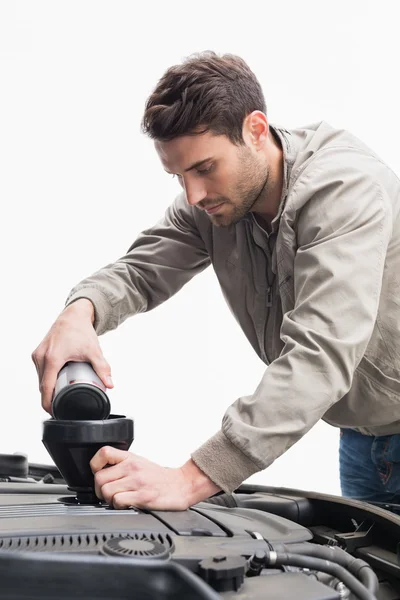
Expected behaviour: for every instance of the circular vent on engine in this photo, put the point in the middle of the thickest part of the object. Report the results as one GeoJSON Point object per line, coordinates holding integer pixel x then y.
{"type": "Point", "coordinates": [138, 546]}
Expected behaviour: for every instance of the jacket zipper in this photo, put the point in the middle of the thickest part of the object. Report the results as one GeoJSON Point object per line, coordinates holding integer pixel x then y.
{"type": "Point", "coordinates": [269, 295]}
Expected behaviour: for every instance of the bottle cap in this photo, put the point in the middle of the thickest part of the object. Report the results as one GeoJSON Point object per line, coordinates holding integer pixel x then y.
{"type": "Point", "coordinates": [81, 401]}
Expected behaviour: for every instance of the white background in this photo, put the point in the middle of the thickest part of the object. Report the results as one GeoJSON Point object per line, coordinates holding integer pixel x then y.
{"type": "Point", "coordinates": [78, 182]}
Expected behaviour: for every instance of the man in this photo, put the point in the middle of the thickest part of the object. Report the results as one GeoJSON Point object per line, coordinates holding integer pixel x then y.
{"type": "Point", "coordinates": [302, 228]}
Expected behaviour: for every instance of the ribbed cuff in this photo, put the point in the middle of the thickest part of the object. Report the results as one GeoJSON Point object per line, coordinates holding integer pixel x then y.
{"type": "Point", "coordinates": [224, 463]}
{"type": "Point", "coordinates": [102, 307]}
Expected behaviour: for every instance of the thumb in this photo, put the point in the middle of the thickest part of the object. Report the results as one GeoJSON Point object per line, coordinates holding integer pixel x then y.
{"type": "Point", "coordinates": [103, 370]}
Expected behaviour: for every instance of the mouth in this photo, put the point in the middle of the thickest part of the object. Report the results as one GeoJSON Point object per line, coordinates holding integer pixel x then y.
{"type": "Point", "coordinates": [213, 209]}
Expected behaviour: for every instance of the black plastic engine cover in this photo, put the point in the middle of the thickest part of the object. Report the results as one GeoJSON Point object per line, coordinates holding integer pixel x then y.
{"type": "Point", "coordinates": [70, 550]}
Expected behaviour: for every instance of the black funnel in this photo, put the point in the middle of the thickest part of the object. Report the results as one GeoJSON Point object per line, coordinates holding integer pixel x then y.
{"type": "Point", "coordinates": [72, 445]}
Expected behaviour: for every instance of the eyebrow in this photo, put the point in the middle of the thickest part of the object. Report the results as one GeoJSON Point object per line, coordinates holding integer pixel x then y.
{"type": "Point", "coordinates": [195, 165]}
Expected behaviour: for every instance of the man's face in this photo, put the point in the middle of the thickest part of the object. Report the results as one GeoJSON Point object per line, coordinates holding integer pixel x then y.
{"type": "Point", "coordinates": [217, 176]}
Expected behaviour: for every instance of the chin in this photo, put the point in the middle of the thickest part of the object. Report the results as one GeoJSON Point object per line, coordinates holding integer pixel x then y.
{"type": "Point", "coordinates": [225, 218]}
{"type": "Point", "coordinates": [221, 220]}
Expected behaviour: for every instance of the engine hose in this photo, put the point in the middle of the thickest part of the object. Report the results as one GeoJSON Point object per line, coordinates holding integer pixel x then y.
{"type": "Point", "coordinates": [356, 566]}
{"type": "Point", "coordinates": [325, 566]}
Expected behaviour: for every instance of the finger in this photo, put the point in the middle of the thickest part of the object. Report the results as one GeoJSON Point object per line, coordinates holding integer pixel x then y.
{"type": "Point", "coordinates": [100, 486]}
{"type": "Point", "coordinates": [38, 369]}
{"type": "Point", "coordinates": [38, 362]}
{"type": "Point", "coordinates": [109, 490]}
{"type": "Point", "coordinates": [110, 473]}
{"type": "Point", "coordinates": [103, 369]}
{"type": "Point", "coordinates": [36, 365]}
{"type": "Point", "coordinates": [107, 476]}
{"type": "Point", "coordinates": [134, 499]}
{"type": "Point", "coordinates": [107, 455]}
{"type": "Point", "coordinates": [48, 383]}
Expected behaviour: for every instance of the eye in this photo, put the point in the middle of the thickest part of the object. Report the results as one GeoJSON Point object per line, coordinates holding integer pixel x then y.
{"type": "Point", "coordinates": [205, 171]}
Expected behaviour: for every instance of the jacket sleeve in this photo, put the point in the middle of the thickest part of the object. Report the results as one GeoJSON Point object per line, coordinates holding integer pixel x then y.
{"type": "Point", "coordinates": [157, 265]}
{"type": "Point", "coordinates": [343, 230]}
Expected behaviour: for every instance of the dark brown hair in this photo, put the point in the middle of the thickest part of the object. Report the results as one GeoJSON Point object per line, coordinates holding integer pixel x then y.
{"type": "Point", "coordinates": [206, 92]}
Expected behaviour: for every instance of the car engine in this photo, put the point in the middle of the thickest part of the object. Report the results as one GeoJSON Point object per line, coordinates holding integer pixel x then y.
{"type": "Point", "coordinates": [255, 544]}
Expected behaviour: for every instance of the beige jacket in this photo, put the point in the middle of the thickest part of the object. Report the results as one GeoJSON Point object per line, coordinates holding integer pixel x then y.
{"type": "Point", "coordinates": [318, 299]}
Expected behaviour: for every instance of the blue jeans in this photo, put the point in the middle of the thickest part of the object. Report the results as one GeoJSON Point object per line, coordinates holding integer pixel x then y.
{"type": "Point", "coordinates": [370, 466]}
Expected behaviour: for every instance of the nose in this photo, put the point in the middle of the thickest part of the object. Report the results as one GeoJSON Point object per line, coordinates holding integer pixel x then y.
{"type": "Point", "coordinates": [195, 192]}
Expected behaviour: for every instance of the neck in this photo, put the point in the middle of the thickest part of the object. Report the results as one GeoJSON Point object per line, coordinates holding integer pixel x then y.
{"type": "Point", "coordinates": [267, 205]}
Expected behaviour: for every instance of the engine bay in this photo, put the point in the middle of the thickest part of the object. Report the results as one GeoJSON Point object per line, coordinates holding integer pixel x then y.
{"type": "Point", "coordinates": [254, 544]}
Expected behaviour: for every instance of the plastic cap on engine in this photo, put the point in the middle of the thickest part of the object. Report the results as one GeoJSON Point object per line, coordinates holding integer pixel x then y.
{"type": "Point", "coordinates": [223, 573]}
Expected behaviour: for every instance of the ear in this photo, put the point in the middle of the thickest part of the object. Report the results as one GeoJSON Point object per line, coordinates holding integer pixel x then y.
{"type": "Point", "coordinates": [256, 129]}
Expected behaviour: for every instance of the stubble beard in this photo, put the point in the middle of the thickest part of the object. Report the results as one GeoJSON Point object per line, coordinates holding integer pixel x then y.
{"type": "Point", "coordinates": [252, 183]}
